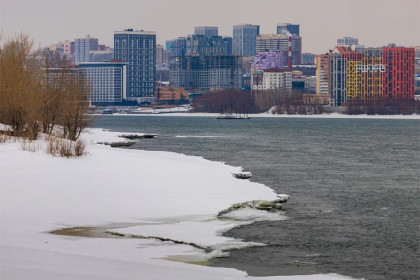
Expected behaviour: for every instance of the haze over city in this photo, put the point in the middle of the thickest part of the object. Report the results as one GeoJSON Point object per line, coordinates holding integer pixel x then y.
{"type": "Point", "coordinates": [220, 139]}
{"type": "Point", "coordinates": [374, 22]}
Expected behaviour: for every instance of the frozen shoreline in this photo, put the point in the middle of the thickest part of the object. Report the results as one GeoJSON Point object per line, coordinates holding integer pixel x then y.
{"type": "Point", "coordinates": [268, 115]}
{"type": "Point", "coordinates": [155, 194]}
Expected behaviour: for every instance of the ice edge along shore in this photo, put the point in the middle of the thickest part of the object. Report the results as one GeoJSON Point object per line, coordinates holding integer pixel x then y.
{"type": "Point", "coordinates": [151, 193]}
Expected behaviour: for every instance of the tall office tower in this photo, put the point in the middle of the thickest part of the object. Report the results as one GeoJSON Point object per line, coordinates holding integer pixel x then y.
{"type": "Point", "coordinates": [83, 46]}
{"type": "Point", "coordinates": [284, 28]}
{"type": "Point", "coordinates": [266, 42]}
{"type": "Point", "coordinates": [208, 31]}
{"type": "Point", "coordinates": [347, 41]}
{"type": "Point", "coordinates": [245, 39]}
{"type": "Point", "coordinates": [138, 49]}
{"type": "Point", "coordinates": [296, 50]}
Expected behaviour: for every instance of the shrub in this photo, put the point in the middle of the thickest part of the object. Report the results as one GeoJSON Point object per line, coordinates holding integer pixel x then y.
{"type": "Point", "coordinates": [79, 148]}
{"type": "Point", "coordinates": [66, 148]}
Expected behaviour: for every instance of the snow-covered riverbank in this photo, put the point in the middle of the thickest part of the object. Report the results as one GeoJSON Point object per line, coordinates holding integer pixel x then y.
{"type": "Point", "coordinates": [130, 192]}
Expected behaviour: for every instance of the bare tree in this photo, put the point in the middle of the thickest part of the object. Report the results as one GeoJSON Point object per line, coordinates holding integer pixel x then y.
{"type": "Point", "coordinates": [74, 109]}
{"type": "Point", "coordinates": [21, 96]}
{"type": "Point", "coordinates": [32, 98]}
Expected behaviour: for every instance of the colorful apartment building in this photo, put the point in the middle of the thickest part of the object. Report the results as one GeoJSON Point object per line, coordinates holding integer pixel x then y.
{"type": "Point", "coordinates": [399, 73]}
{"type": "Point", "coordinates": [360, 77]}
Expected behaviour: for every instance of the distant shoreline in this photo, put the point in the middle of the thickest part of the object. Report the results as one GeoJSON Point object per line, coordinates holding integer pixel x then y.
{"type": "Point", "coordinates": [266, 115]}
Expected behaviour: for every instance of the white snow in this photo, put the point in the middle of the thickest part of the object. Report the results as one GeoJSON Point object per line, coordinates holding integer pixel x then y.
{"type": "Point", "coordinates": [205, 233]}
{"type": "Point", "coordinates": [128, 191]}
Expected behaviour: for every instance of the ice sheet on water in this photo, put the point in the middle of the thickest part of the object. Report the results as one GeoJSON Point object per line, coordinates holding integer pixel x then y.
{"type": "Point", "coordinates": [251, 214]}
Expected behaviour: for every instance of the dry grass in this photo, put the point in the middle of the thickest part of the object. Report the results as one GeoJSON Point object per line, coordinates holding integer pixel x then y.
{"type": "Point", "coordinates": [31, 146]}
{"type": "Point", "coordinates": [4, 138]}
{"type": "Point", "coordinates": [57, 146]}
{"type": "Point", "coordinates": [79, 148]}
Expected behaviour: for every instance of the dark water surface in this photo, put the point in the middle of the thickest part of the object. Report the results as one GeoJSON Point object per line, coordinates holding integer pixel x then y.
{"type": "Point", "coordinates": [354, 186]}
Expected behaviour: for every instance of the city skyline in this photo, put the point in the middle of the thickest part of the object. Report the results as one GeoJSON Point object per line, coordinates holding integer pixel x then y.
{"type": "Point", "coordinates": [373, 22]}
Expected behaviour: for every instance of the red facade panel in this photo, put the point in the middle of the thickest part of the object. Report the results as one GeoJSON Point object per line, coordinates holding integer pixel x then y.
{"type": "Point", "coordinates": [399, 73]}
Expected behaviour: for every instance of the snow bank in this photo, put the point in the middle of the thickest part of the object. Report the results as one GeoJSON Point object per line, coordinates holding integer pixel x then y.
{"type": "Point", "coordinates": [132, 192]}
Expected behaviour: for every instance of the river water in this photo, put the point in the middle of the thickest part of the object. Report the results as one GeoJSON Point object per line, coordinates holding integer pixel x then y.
{"type": "Point", "coordinates": [354, 187]}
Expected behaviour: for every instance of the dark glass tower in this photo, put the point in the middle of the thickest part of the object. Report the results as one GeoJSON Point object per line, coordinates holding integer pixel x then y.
{"type": "Point", "coordinates": [138, 49]}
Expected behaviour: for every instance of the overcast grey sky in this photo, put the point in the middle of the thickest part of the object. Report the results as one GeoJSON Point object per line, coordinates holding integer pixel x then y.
{"type": "Point", "coordinates": [374, 22]}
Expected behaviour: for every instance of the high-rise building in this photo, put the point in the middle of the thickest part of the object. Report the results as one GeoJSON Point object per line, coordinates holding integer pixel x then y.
{"type": "Point", "coordinates": [83, 46]}
{"type": "Point", "coordinates": [362, 77]}
{"type": "Point", "coordinates": [106, 81]}
{"type": "Point", "coordinates": [245, 39]}
{"type": "Point", "coordinates": [399, 73]}
{"type": "Point", "coordinates": [206, 72]}
{"type": "Point", "coordinates": [138, 50]}
{"type": "Point", "coordinates": [208, 31]}
{"type": "Point", "coordinates": [267, 42]}
{"type": "Point", "coordinates": [338, 72]}
{"type": "Point", "coordinates": [284, 28]}
{"type": "Point", "coordinates": [322, 74]}
{"type": "Point", "coordinates": [347, 41]}
{"type": "Point", "coordinates": [201, 45]}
